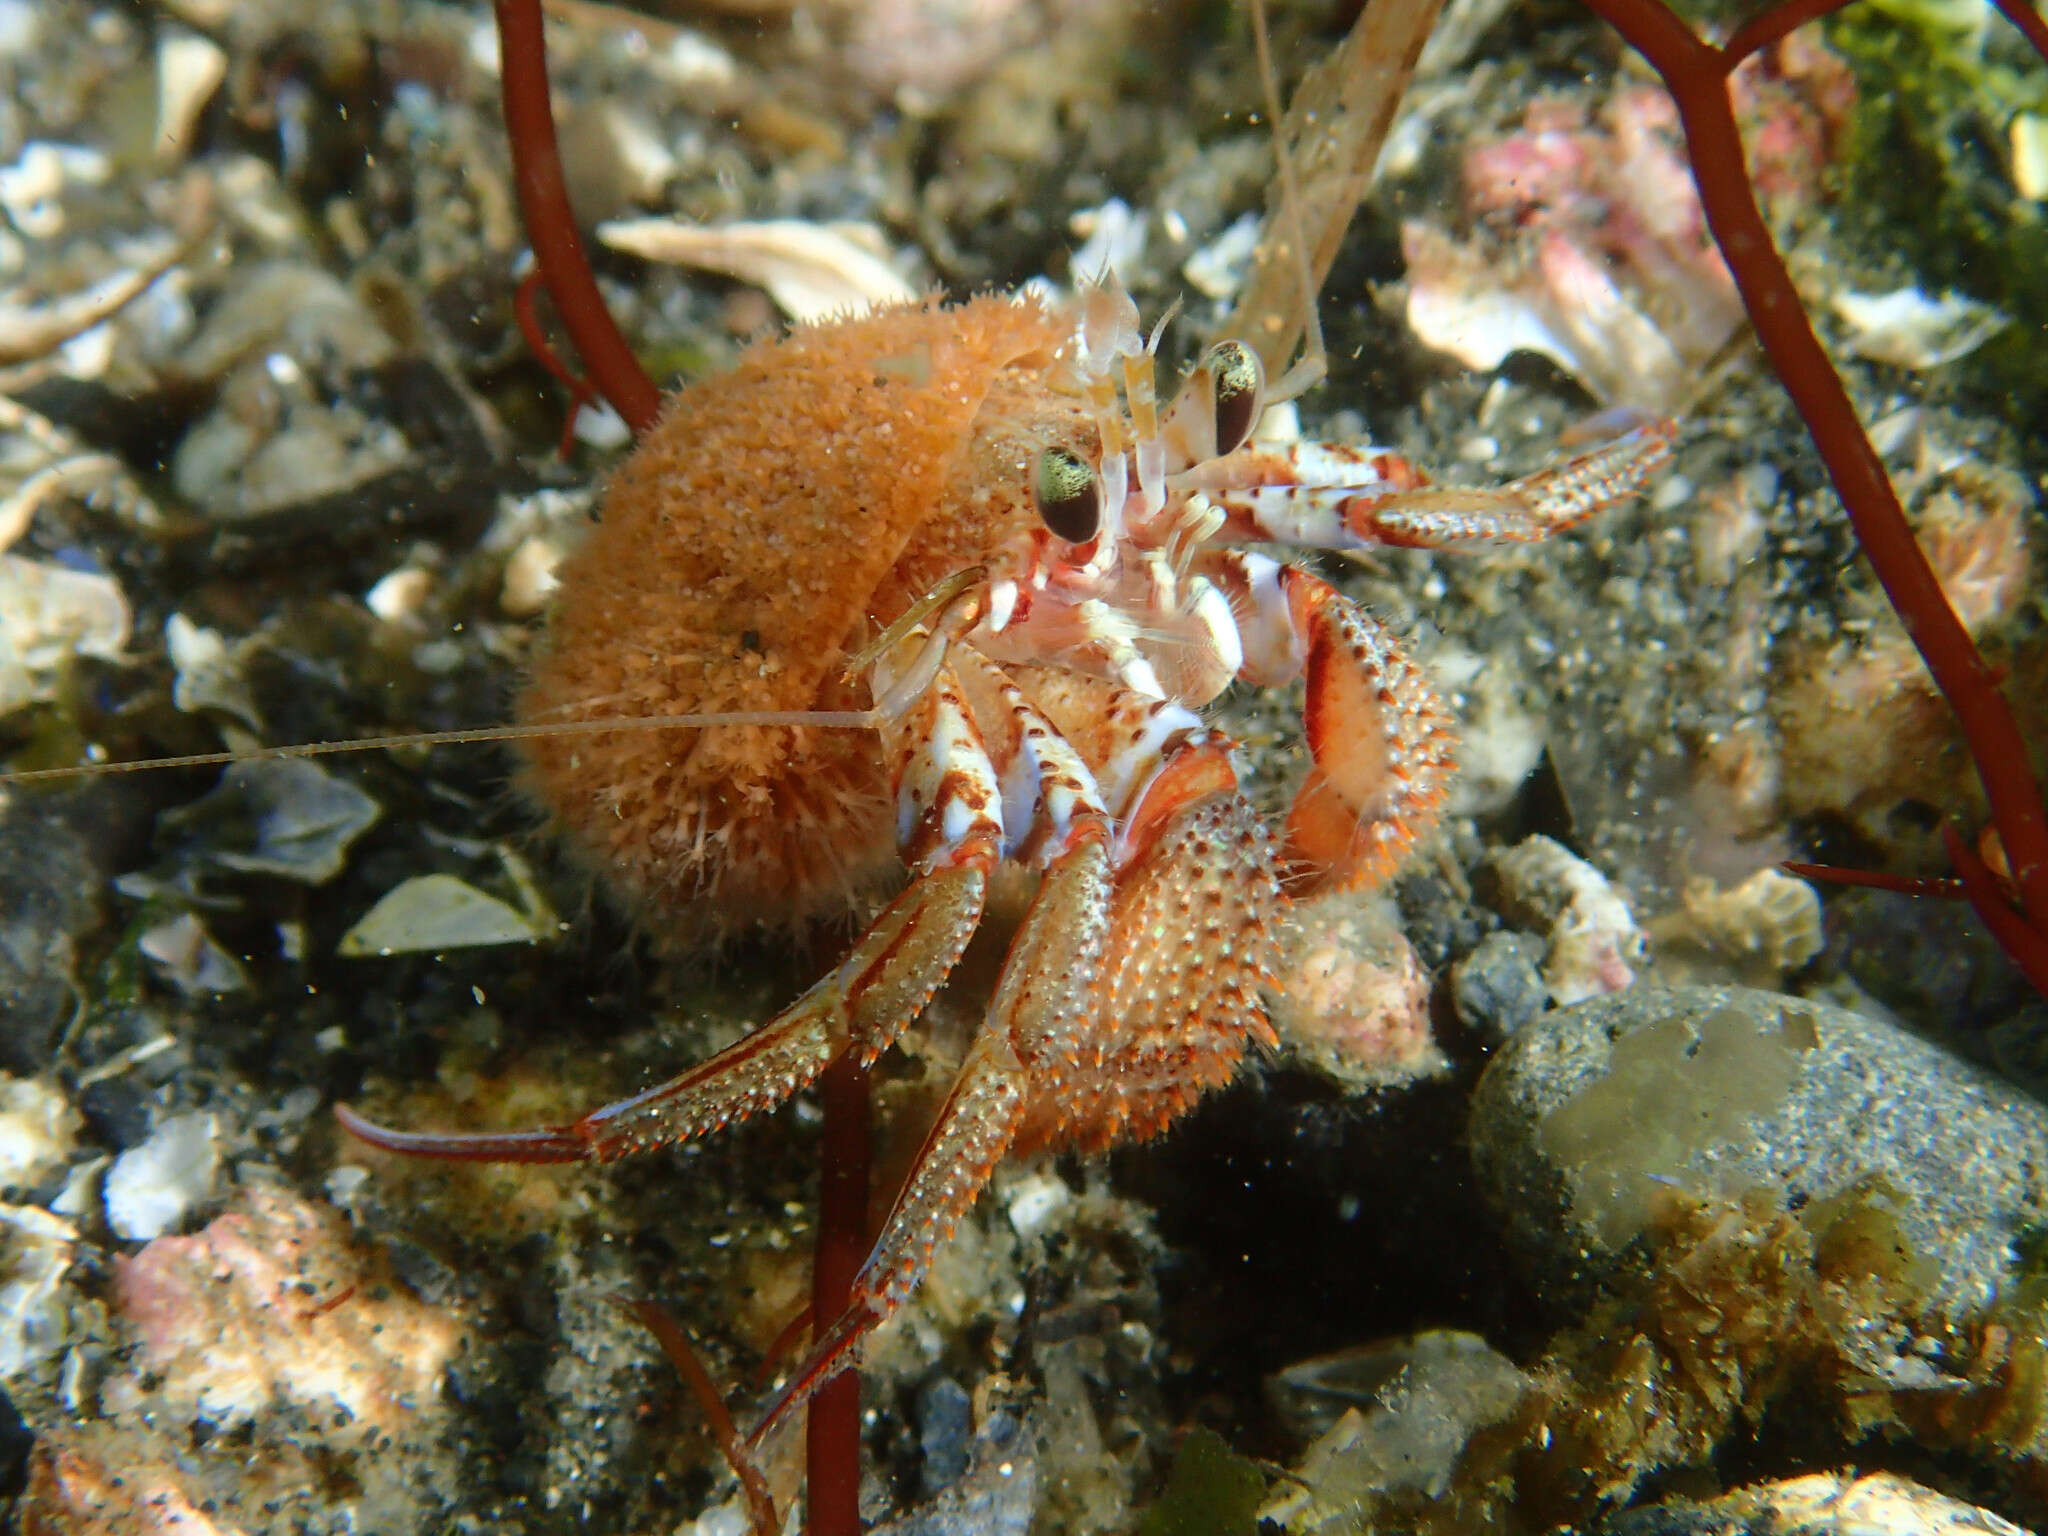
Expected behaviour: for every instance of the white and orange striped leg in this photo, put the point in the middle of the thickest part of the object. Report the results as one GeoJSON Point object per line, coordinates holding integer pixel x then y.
{"type": "Point", "coordinates": [1333, 496]}
{"type": "Point", "coordinates": [1380, 736]}
{"type": "Point", "coordinates": [951, 831]}
{"type": "Point", "coordinates": [1038, 1014]}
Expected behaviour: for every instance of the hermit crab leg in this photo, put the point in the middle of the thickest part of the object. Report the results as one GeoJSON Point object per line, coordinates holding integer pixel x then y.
{"type": "Point", "coordinates": [1033, 1027]}
{"type": "Point", "coordinates": [1330, 496]}
{"type": "Point", "coordinates": [952, 834]}
{"type": "Point", "coordinates": [1380, 736]}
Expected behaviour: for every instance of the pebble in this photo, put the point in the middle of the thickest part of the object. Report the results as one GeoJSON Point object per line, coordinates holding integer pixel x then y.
{"type": "Point", "coordinates": [1822, 1504]}
{"type": "Point", "coordinates": [1588, 1112]}
{"type": "Point", "coordinates": [1497, 988]}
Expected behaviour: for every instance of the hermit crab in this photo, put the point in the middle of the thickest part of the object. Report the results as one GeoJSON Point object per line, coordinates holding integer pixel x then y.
{"type": "Point", "coordinates": [908, 603]}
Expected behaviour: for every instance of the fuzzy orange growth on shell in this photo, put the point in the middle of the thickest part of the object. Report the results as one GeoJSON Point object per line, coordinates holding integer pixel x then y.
{"type": "Point", "coordinates": [771, 517]}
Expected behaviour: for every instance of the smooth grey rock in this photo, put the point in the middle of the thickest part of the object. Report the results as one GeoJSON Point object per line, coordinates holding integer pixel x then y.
{"type": "Point", "coordinates": [1589, 1110]}
{"type": "Point", "coordinates": [1823, 1504]}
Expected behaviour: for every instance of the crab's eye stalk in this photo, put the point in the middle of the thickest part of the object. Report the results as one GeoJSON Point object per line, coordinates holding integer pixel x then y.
{"type": "Point", "coordinates": [1240, 392]}
{"type": "Point", "coordinates": [1069, 495]}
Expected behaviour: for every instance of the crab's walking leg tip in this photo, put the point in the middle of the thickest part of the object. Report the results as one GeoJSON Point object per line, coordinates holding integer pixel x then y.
{"type": "Point", "coordinates": [802, 1387]}
{"type": "Point", "coordinates": [552, 1144]}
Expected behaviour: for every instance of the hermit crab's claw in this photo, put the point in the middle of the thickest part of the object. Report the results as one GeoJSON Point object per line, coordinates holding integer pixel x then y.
{"type": "Point", "coordinates": [1381, 739]}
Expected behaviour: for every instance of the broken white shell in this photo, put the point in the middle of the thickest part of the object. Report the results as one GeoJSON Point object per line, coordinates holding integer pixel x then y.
{"type": "Point", "coordinates": [151, 1187]}
{"type": "Point", "coordinates": [1908, 329]}
{"type": "Point", "coordinates": [47, 615]}
{"type": "Point", "coordinates": [434, 912]}
{"type": "Point", "coordinates": [813, 271]}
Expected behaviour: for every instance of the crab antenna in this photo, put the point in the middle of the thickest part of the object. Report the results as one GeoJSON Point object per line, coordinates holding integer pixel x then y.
{"type": "Point", "coordinates": [1307, 371]}
{"type": "Point", "coordinates": [827, 719]}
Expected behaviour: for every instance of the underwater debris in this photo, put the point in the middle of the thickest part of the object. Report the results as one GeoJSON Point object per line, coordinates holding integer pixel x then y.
{"type": "Point", "coordinates": [813, 271]}
{"type": "Point", "coordinates": [1908, 329]}
{"type": "Point", "coordinates": [186, 955]}
{"type": "Point", "coordinates": [48, 615]}
{"type": "Point", "coordinates": [153, 1187]}
{"type": "Point", "coordinates": [189, 69]}
{"type": "Point", "coordinates": [1595, 944]}
{"type": "Point", "coordinates": [286, 817]}
{"type": "Point", "coordinates": [38, 1127]}
{"type": "Point", "coordinates": [1587, 241]}
{"type": "Point", "coordinates": [36, 1250]}
{"type": "Point", "coordinates": [1609, 270]}
{"type": "Point", "coordinates": [1760, 930]}
{"type": "Point", "coordinates": [434, 912]}
{"type": "Point", "coordinates": [1860, 724]}
{"type": "Point", "coordinates": [1414, 1404]}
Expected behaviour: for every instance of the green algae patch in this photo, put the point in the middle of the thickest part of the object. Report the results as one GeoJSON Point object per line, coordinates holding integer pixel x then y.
{"type": "Point", "coordinates": [1671, 1090]}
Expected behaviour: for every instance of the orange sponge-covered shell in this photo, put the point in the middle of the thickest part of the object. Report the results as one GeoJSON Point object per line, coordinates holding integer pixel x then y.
{"type": "Point", "coordinates": [745, 543]}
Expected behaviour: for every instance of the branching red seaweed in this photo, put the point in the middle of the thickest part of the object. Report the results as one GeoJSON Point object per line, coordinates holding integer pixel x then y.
{"type": "Point", "coordinates": [1696, 73]}
{"type": "Point", "coordinates": [551, 224]}
{"type": "Point", "coordinates": [832, 1446]}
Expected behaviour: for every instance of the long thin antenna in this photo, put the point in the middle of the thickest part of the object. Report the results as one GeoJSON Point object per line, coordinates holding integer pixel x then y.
{"type": "Point", "coordinates": [1314, 361]}
{"type": "Point", "coordinates": [824, 719]}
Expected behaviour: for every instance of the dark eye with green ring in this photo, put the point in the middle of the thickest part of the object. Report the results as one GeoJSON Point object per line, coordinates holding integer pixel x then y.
{"type": "Point", "coordinates": [1069, 495]}
{"type": "Point", "coordinates": [1240, 390]}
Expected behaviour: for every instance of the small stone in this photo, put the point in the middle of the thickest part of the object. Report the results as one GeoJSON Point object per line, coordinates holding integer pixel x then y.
{"type": "Point", "coordinates": [945, 1432]}
{"type": "Point", "coordinates": [1590, 1114]}
{"type": "Point", "coordinates": [153, 1187]}
{"type": "Point", "coordinates": [1497, 988]}
{"type": "Point", "coordinates": [270, 1301]}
